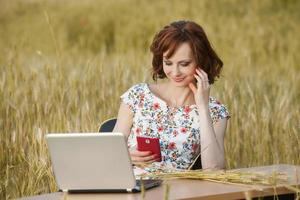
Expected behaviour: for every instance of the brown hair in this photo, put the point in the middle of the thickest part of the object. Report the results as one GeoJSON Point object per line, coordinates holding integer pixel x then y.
{"type": "Point", "coordinates": [171, 36]}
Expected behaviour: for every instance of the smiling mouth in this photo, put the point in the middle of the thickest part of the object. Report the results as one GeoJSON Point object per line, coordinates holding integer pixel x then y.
{"type": "Point", "coordinates": [178, 79]}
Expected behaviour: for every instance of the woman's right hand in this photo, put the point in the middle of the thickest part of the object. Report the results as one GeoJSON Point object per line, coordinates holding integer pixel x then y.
{"type": "Point", "coordinates": [142, 157]}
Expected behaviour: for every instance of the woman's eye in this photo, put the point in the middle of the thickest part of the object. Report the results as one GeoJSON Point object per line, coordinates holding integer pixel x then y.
{"type": "Point", "coordinates": [166, 63]}
{"type": "Point", "coordinates": [185, 64]}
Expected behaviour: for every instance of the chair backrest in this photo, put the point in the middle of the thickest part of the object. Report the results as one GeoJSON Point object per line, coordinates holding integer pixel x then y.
{"type": "Point", "coordinates": [108, 125]}
{"type": "Point", "coordinates": [197, 164]}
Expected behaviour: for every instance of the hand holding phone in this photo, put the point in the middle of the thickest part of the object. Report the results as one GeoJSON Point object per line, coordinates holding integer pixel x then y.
{"type": "Point", "coordinates": [138, 157]}
{"type": "Point", "coordinates": [149, 144]}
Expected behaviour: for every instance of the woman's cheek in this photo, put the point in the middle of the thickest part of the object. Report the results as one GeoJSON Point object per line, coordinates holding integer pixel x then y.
{"type": "Point", "coordinates": [191, 79]}
{"type": "Point", "coordinates": [167, 72]}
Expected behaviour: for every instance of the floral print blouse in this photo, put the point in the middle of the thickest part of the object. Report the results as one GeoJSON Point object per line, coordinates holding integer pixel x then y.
{"type": "Point", "coordinates": [176, 127]}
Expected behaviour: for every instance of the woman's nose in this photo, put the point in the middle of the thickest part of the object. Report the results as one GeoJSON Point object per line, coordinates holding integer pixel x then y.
{"type": "Point", "coordinates": [176, 71]}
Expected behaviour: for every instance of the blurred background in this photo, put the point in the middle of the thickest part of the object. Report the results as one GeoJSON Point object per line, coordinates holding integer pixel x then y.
{"type": "Point", "coordinates": [64, 64]}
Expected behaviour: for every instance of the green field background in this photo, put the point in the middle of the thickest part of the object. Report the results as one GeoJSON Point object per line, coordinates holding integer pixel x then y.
{"type": "Point", "coordinates": [64, 64]}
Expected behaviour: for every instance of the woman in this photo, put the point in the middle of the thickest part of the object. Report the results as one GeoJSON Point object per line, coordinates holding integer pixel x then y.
{"type": "Point", "coordinates": [179, 111]}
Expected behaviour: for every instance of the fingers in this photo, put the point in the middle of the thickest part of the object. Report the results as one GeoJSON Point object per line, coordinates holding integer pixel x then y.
{"type": "Point", "coordinates": [202, 74]}
{"type": "Point", "coordinates": [199, 80]}
{"type": "Point", "coordinates": [193, 87]}
{"type": "Point", "coordinates": [143, 156]}
{"type": "Point", "coordinates": [134, 152]}
{"type": "Point", "coordinates": [202, 79]}
{"type": "Point", "coordinates": [149, 159]}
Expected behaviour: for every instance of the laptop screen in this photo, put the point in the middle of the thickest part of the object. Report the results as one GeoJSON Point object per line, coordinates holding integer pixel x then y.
{"type": "Point", "coordinates": [87, 161]}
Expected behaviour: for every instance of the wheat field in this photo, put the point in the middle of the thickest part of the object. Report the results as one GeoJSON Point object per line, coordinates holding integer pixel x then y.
{"type": "Point", "coordinates": [64, 64]}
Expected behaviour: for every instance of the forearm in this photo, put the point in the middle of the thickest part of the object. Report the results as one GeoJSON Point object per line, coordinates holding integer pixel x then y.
{"type": "Point", "coordinates": [212, 151]}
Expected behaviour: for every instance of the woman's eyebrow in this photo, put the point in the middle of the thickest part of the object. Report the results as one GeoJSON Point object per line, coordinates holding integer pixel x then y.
{"type": "Point", "coordinates": [185, 60]}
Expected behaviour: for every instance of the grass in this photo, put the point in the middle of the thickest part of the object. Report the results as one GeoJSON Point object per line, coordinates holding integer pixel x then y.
{"type": "Point", "coordinates": [63, 66]}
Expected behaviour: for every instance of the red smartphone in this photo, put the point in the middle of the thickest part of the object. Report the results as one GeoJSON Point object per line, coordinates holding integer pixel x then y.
{"type": "Point", "coordinates": [149, 144]}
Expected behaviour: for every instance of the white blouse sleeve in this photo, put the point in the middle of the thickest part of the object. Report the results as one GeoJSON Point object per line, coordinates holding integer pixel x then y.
{"type": "Point", "coordinates": [131, 97]}
{"type": "Point", "coordinates": [217, 110]}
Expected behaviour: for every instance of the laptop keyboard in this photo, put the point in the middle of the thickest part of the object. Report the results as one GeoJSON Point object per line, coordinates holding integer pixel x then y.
{"type": "Point", "coordinates": [139, 182]}
{"type": "Point", "coordinates": [147, 182]}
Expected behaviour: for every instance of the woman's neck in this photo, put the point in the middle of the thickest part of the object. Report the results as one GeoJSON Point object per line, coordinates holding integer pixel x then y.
{"type": "Point", "coordinates": [178, 96]}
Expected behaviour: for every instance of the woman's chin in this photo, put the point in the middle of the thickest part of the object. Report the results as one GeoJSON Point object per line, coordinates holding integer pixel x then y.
{"type": "Point", "coordinates": [180, 83]}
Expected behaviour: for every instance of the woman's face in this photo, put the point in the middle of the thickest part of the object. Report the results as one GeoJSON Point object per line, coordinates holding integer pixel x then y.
{"type": "Point", "coordinates": [180, 67]}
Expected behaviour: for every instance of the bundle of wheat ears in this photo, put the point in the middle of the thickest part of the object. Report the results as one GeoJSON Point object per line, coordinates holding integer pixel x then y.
{"type": "Point", "coordinates": [229, 177]}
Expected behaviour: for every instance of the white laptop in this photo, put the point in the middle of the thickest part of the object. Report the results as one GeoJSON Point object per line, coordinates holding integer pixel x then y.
{"type": "Point", "coordinates": [93, 162]}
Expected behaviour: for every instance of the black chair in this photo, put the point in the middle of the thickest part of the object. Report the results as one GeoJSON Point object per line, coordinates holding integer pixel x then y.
{"type": "Point", "coordinates": [108, 126]}
{"type": "Point", "coordinates": [197, 164]}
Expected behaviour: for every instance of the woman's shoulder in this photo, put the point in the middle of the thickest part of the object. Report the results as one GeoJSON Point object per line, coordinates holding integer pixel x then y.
{"type": "Point", "coordinates": [139, 87]}
{"type": "Point", "coordinates": [136, 91]}
{"type": "Point", "coordinates": [214, 101]}
{"type": "Point", "coordinates": [134, 95]}
{"type": "Point", "coordinates": [218, 110]}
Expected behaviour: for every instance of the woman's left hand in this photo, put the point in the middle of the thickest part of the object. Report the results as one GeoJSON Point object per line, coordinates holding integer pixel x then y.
{"type": "Point", "coordinates": [201, 92]}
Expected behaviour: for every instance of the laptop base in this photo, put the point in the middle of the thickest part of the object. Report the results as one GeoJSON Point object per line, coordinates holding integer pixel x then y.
{"type": "Point", "coordinates": [148, 184]}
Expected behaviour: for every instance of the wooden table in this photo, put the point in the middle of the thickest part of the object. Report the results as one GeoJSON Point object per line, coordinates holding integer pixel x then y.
{"type": "Point", "coordinates": [196, 189]}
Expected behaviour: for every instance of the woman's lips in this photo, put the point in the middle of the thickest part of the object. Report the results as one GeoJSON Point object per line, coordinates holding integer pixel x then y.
{"type": "Point", "coordinates": [178, 79]}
